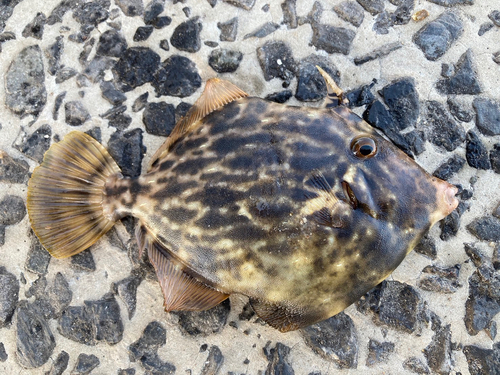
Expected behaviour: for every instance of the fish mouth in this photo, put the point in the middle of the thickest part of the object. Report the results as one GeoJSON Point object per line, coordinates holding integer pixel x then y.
{"type": "Point", "coordinates": [445, 198]}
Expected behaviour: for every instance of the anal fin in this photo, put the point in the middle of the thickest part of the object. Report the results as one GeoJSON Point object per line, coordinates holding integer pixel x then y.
{"type": "Point", "coordinates": [181, 290]}
{"type": "Point", "coordinates": [283, 318]}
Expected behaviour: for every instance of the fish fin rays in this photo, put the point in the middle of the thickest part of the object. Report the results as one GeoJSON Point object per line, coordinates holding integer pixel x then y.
{"type": "Point", "coordinates": [217, 94]}
{"type": "Point", "coordinates": [181, 290]}
{"type": "Point", "coordinates": [283, 318]}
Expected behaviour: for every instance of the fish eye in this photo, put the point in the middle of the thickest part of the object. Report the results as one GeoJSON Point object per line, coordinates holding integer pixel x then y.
{"type": "Point", "coordinates": [363, 147]}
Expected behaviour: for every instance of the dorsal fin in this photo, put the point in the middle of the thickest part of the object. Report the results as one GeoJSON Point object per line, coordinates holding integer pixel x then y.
{"type": "Point", "coordinates": [217, 93]}
{"type": "Point", "coordinates": [335, 96]}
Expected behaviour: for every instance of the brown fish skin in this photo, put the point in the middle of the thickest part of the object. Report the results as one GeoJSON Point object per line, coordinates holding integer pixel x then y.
{"type": "Point", "coordinates": [303, 210]}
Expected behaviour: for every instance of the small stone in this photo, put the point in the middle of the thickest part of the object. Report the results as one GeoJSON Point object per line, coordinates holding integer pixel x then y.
{"type": "Point", "coordinates": [212, 3]}
{"type": "Point", "coordinates": [35, 341]}
{"type": "Point", "coordinates": [332, 39]}
{"type": "Point", "coordinates": [263, 31]}
{"type": "Point", "coordinates": [164, 45]}
{"type": "Point", "coordinates": [335, 340]}
{"type": "Point", "coordinates": [401, 97]}
{"type": "Point", "coordinates": [289, 8]}
{"type": "Point", "coordinates": [360, 96]}
{"type": "Point", "coordinates": [203, 323]}
{"type": "Point", "coordinates": [224, 60]}
{"type": "Point", "coordinates": [60, 364]}
{"type": "Point", "coordinates": [12, 210]}
{"type": "Point", "coordinates": [276, 60]}
{"type": "Point", "coordinates": [186, 36]}
{"type": "Point", "coordinates": [452, 3]}
{"type": "Point", "coordinates": [228, 30]}
{"type": "Point", "coordinates": [214, 361]}
{"type": "Point", "coordinates": [495, 158]}
{"type": "Point", "coordinates": [177, 76]}
{"type": "Point", "coordinates": [117, 118]}
{"type": "Point", "coordinates": [9, 295]}
{"type": "Point", "coordinates": [60, 10]}
{"type": "Point", "coordinates": [107, 320]}
{"type": "Point", "coordinates": [378, 352]}
{"type": "Point", "coordinates": [152, 11]}
{"type": "Point", "coordinates": [350, 11]}
{"type": "Point", "coordinates": [464, 81]}
{"type": "Point", "coordinates": [162, 22]}
{"type": "Point", "coordinates": [451, 223]}
{"type": "Point", "coordinates": [126, 289]}
{"type": "Point", "coordinates": [495, 17]}
{"type": "Point", "coordinates": [159, 118]}
{"type": "Point", "coordinates": [85, 364]}
{"type": "Point", "coordinates": [127, 150]}
{"type": "Point", "coordinates": [128, 371]}
{"type": "Point", "coordinates": [54, 53]}
{"type": "Point", "coordinates": [482, 361]}
{"type": "Point", "coordinates": [111, 93]}
{"type": "Point", "coordinates": [486, 228]}
{"type": "Point", "coordinates": [280, 96]}
{"type": "Point", "coordinates": [485, 27]}
{"type": "Point", "coordinates": [372, 6]}
{"type": "Point", "coordinates": [25, 83]}
{"type": "Point", "coordinates": [64, 74]}
{"type": "Point", "coordinates": [131, 8]}
{"type": "Point", "coordinates": [111, 43]}
{"type": "Point", "coordinates": [476, 152]}
{"type": "Point", "coordinates": [211, 44]}
{"type": "Point", "coordinates": [3, 353]}
{"type": "Point", "coordinates": [444, 131]}
{"type": "Point", "coordinates": [416, 140]}
{"type": "Point", "coordinates": [378, 53]}
{"type": "Point", "coordinates": [487, 116]}
{"type": "Point", "coordinates": [140, 102]}
{"type": "Point", "coordinates": [92, 13]}
{"type": "Point", "coordinates": [35, 145]}
{"type": "Point", "coordinates": [440, 279]}
{"type": "Point", "coordinates": [491, 330]}
{"type": "Point", "coordinates": [415, 365]}
{"type": "Point", "coordinates": [14, 171]}
{"type": "Point", "coordinates": [137, 66]}
{"type": "Point", "coordinates": [403, 13]}
{"type": "Point", "coordinates": [383, 22]}
{"type": "Point", "coordinates": [83, 261]}
{"type": "Point", "coordinates": [311, 85]}
{"type": "Point", "coordinates": [450, 167]}
{"type": "Point", "coordinates": [438, 352]}
{"type": "Point", "coordinates": [460, 109]}
{"type": "Point", "coordinates": [278, 359]}
{"type": "Point", "coordinates": [476, 255]}
{"type": "Point", "coordinates": [436, 37]}
{"type": "Point", "coordinates": [34, 29]}
{"type": "Point", "coordinates": [76, 114]}
{"type": "Point", "coordinates": [38, 258]}
{"type": "Point", "coordinates": [143, 33]}
{"type": "Point", "coordinates": [76, 324]}
{"type": "Point", "coordinates": [245, 4]}
{"type": "Point", "coordinates": [427, 247]}
{"type": "Point", "coordinates": [181, 110]}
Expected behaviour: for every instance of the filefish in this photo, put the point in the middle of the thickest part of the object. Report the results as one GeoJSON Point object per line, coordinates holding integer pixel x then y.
{"type": "Point", "coordinates": [302, 210]}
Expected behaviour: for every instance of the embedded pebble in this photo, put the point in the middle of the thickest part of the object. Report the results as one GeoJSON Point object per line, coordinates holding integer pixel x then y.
{"type": "Point", "coordinates": [60, 364]}
{"type": "Point", "coordinates": [378, 352]}
{"type": "Point", "coordinates": [263, 30]}
{"type": "Point", "coordinates": [127, 149]}
{"type": "Point", "coordinates": [311, 85]}
{"type": "Point", "coordinates": [495, 17]}
{"type": "Point", "coordinates": [460, 109]}
{"type": "Point", "coordinates": [332, 39]}
{"type": "Point", "coordinates": [476, 153]}
{"type": "Point", "coordinates": [186, 36]}
{"type": "Point", "coordinates": [3, 353]}
{"type": "Point", "coordinates": [12, 210]}
{"type": "Point", "coordinates": [50, 300]}
{"type": "Point", "coordinates": [76, 324]}
{"type": "Point", "coordinates": [278, 359]}
{"type": "Point", "coordinates": [449, 168]}
{"type": "Point", "coordinates": [314, 16]}
{"type": "Point", "coordinates": [245, 4]}
{"type": "Point", "coordinates": [334, 339]}
{"type": "Point", "coordinates": [128, 371]}
{"type": "Point", "coordinates": [111, 43]}
{"type": "Point", "coordinates": [280, 96]}
{"type": "Point", "coordinates": [350, 11]}
{"type": "Point", "coordinates": [92, 13]}
{"type": "Point", "coordinates": [181, 110]}
{"type": "Point", "coordinates": [35, 145]}
{"type": "Point", "coordinates": [140, 102]}
{"type": "Point", "coordinates": [9, 295]}
{"type": "Point", "coordinates": [486, 228]}
{"type": "Point", "coordinates": [228, 30]}
{"type": "Point", "coordinates": [203, 323]}
{"type": "Point", "coordinates": [439, 352]}
{"type": "Point", "coordinates": [159, 118]}
{"type": "Point", "coordinates": [35, 341]}
{"type": "Point", "coordinates": [225, 60]}
{"type": "Point", "coordinates": [444, 131]}
{"type": "Point", "coordinates": [401, 97]}
{"type": "Point", "coordinates": [35, 28]}
{"type": "Point", "coordinates": [415, 365]}
{"type": "Point", "coordinates": [485, 27]}
{"type": "Point", "coordinates": [464, 81]}
{"type": "Point", "coordinates": [427, 247]}
{"type": "Point", "coordinates": [14, 171]}
{"type": "Point", "coordinates": [76, 114]}
{"type": "Point", "coordinates": [136, 66]}
{"type": "Point", "coordinates": [482, 360]}
{"type": "Point", "coordinates": [487, 116]}
{"type": "Point", "coordinates": [126, 289]}
{"type": "Point", "coordinates": [83, 261]}
{"type": "Point", "coordinates": [54, 52]}
{"type": "Point", "coordinates": [451, 223]}
{"type": "Point", "coordinates": [142, 33]}
{"type": "Point", "coordinates": [85, 364]}
{"type": "Point", "coordinates": [495, 158]}
{"type": "Point", "coordinates": [214, 361]}
{"type": "Point", "coordinates": [131, 8]}
{"type": "Point", "coordinates": [153, 11]}
{"type": "Point", "coordinates": [452, 3]}
{"type": "Point", "coordinates": [440, 279]}
{"type": "Point", "coordinates": [178, 76]}
{"type": "Point", "coordinates": [276, 60]}
{"type": "Point", "coordinates": [289, 8]}
{"type": "Point", "coordinates": [436, 37]}
{"type": "Point", "coordinates": [360, 96]}
{"type": "Point", "coordinates": [25, 83]}
{"type": "Point", "coordinates": [111, 93]}
{"type": "Point", "coordinates": [38, 258]}
{"type": "Point", "coordinates": [378, 53]}
{"type": "Point", "coordinates": [372, 6]}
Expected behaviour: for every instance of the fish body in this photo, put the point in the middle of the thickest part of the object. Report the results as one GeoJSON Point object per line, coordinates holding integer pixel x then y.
{"type": "Point", "coordinates": [303, 210]}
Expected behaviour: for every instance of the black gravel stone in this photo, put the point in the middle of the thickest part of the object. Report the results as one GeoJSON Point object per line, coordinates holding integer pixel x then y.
{"type": "Point", "coordinates": [161, 22]}
{"type": "Point", "coordinates": [289, 8]}
{"type": "Point", "coordinates": [438, 352]}
{"type": "Point", "coordinates": [278, 359]}
{"type": "Point", "coordinates": [372, 6]}
{"type": "Point", "coordinates": [487, 116]}
{"type": "Point", "coordinates": [214, 361]}
{"type": "Point", "coordinates": [92, 13]}
{"type": "Point", "coordinates": [131, 8]}
{"type": "Point", "coordinates": [280, 96]}
{"type": "Point", "coordinates": [415, 365]}
{"type": "Point", "coordinates": [334, 339]}
{"type": "Point", "coordinates": [444, 131]}
{"type": "Point", "coordinates": [263, 31]}
{"type": "Point", "coordinates": [314, 15]}
{"type": "Point", "coordinates": [427, 247]}
{"type": "Point", "coordinates": [203, 323]}
{"type": "Point", "coordinates": [117, 118]}
{"type": "Point", "coordinates": [38, 258]}
{"type": "Point", "coordinates": [483, 361]}
{"type": "Point", "coordinates": [460, 109]}
{"type": "Point", "coordinates": [143, 33]}
{"type": "Point", "coordinates": [152, 11]}
{"type": "Point", "coordinates": [360, 96]}
{"type": "Point", "coordinates": [159, 118]}
{"type": "Point", "coordinates": [403, 13]}
{"type": "Point", "coordinates": [35, 342]}
{"type": "Point", "coordinates": [50, 300]}
{"type": "Point", "coordinates": [486, 228]}
{"type": "Point", "coordinates": [401, 97]}
{"type": "Point", "coordinates": [83, 261]}
{"type": "Point", "coordinates": [245, 4]}
{"type": "Point", "coordinates": [111, 43]}
{"type": "Point", "coordinates": [450, 167]}
{"type": "Point", "coordinates": [35, 145]}
{"type": "Point", "coordinates": [136, 67]}
{"type": "Point", "coordinates": [111, 93]}
{"type": "Point", "coordinates": [126, 289]}
{"type": "Point", "coordinates": [35, 28]}
{"type": "Point", "coordinates": [60, 10]}
{"type": "Point", "coordinates": [464, 81]}
{"type": "Point", "coordinates": [495, 17]}
{"type": "Point", "coordinates": [128, 371]}
{"type": "Point", "coordinates": [332, 39]}
{"type": "Point", "coordinates": [378, 53]}
{"type": "Point", "coordinates": [164, 45]}
{"type": "Point", "coordinates": [476, 152]}
{"type": "Point", "coordinates": [495, 158]}
{"type": "Point", "coordinates": [127, 150]}
{"type": "Point", "coordinates": [451, 223]}
{"type": "Point", "coordinates": [13, 170]}
{"type": "Point", "coordinates": [76, 114]}
{"type": "Point", "coordinates": [452, 3]}
{"type": "Point", "coordinates": [435, 38]}
{"type": "Point", "coordinates": [181, 110]}
{"type": "Point", "coordinates": [177, 76]}
{"type": "Point", "coordinates": [416, 141]}
{"type": "Point", "coordinates": [225, 60]}
{"type": "Point", "coordinates": [9, 295]}
{"type": "Point", "coordinates": [440, 279]}
{"type": "Point", "coordinates": [140, 102]}
{"type": "Point", "coordinates": [85, 364]}
{"type": "Point", "coordinates": [64, 74]}
{"type": "Point", "coordinates": [485, 27]}
{"type": "Point", "coordinates": [60, 364]}
{"type": "Point", "coordinates": [228, 30]}
{"type": "Point", "coordinates": [12, 210]}
{"type": "Point", "coordinates": [378, 352]}
{"type": "Point", "coordinates": [25, 83]}
{"type": "Point", "coordinates": [186, 36]}
{"type": "Point", "coordinates": [53, 54]}
{"type": "Point", "coordinates": [350, 11]}
{"type": "Point", "coordinates": [76, 324]}
{"type": "Point", "coordinates": [311, 85]}
{"type": "Point", "coordinates": [476, 255]}
{"type": "Point", "coordinates": [276, 61]}
{"type": "Point", "coordinates": [3, 353]}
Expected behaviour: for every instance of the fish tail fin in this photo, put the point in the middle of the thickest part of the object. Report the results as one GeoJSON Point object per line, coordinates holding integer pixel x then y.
{"type": "Point", "coordinates": [65, 195]}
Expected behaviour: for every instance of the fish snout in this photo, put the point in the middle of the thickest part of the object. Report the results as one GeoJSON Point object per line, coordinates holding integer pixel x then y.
{"type": "Point", "coordinates": [445, 198]}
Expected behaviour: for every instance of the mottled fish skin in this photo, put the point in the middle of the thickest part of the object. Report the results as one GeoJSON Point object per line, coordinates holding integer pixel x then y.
{"type": "Point", "coordinates": [234, 202]}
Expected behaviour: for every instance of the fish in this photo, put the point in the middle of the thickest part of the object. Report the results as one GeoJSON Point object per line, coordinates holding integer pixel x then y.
{"type": "Point", "coordinates": [303, 210]}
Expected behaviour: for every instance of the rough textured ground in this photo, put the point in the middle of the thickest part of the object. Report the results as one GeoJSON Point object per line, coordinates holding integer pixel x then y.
{"type": "Point", "coordinates": [425, 72]}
